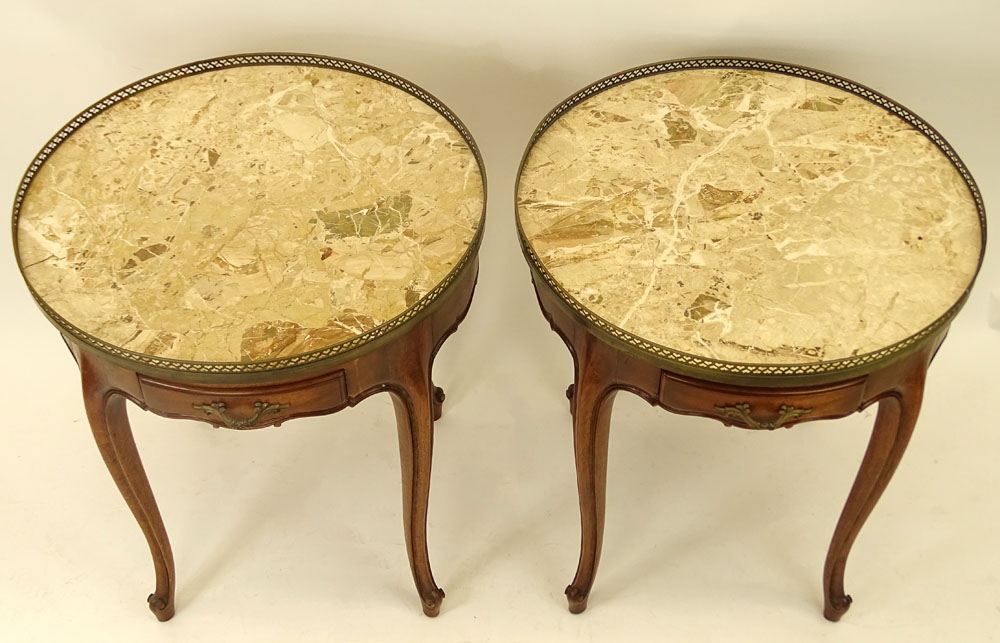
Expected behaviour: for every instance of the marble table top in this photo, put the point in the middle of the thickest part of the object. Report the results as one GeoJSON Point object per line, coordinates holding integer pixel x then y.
{"type": "Point", "coordinates": [749, 217]}
{"type": "Point", "coordinates": [250, 213]}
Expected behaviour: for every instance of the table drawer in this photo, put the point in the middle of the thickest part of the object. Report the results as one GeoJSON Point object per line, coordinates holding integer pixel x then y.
{"type": "Point", "coordinates": [246, 406]}
{"type": "Point", "coordinates": [760, 408]}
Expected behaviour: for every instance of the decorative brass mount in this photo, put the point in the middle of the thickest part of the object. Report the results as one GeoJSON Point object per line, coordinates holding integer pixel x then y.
{"type": "Point", "coordinates": [741, 412]}
{"type": "Point", "coordinates": [218, 409]}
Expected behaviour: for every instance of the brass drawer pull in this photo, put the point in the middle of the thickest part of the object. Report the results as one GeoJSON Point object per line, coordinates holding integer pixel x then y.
{"type": "Point", "coordinates": [218, 409]}
{"type": "Point", "coordinates": [741, 412]}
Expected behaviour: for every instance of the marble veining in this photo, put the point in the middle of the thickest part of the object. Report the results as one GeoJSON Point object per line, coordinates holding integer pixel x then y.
{"type": "Point", "coordinates": [749, 216]}
{"type": "Point", "coordinates": [249, 214]}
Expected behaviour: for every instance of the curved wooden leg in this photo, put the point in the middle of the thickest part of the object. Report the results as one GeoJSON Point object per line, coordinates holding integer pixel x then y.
{"type": "Point", "coordinates": [109, 423]}
{"type": "Point", "coordinates": [592, 401]}
{"type": "Point", "coordinates": [897, 415]}
{"type": "Point", "coordinates": [414, 400]}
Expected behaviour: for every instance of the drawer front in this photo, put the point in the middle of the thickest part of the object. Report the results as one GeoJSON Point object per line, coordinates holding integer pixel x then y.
{"type": "Point", "coordinates": [246, 406]}
{"type": "Point", "coordinates": [760, 408]}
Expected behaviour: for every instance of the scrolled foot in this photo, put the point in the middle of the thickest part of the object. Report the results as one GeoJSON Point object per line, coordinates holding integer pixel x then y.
{"type": "Point", "coordinates": [438, 398]}
{"type": "Point", "coordinates": [431, 602]}
{"type": "Point", "coordinates": [836, 606]}
{"type": "Point", "coordinates": [577, 599]}
{"type": "Point", "coordinates": [162, 608]}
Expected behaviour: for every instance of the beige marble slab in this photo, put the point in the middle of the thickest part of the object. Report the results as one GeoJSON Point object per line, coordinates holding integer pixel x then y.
{"type": "Point", "coordinates": [250, 213]}
{"type": "Point", "coordinates": [749, 216]}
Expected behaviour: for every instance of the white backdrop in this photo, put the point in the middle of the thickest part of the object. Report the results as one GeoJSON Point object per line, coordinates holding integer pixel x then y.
{"type": "Point", "coordinates": [295, 533]}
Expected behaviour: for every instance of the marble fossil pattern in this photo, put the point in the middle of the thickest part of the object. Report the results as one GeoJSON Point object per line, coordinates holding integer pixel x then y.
{"type": "Point", "coordinates": [749, 217]}
{"type": "Point", "coordinates": [249, 214]}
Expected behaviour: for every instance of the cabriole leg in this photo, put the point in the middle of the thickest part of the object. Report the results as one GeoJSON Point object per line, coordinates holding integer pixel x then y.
{"type": "Point", "coordinates": [416, 403]}
{"type": "Point", "coordinates": [593, 399]}
{"type": "Point", "coordinates": [109, 423]}
{"type": "Point", "coordinates": [897, 415]}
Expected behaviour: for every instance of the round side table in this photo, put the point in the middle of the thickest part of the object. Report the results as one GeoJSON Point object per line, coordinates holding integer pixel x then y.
{"type": "Point", "coordinates": [749, 241]}
{"type": "Point", "coordinates": [250, 239]}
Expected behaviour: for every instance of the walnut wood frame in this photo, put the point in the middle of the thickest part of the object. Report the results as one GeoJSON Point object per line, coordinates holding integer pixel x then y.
{"type": "Point", "coordinates": [603, 368]}
{"type": "Point", "coordinates": [399, 364]}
